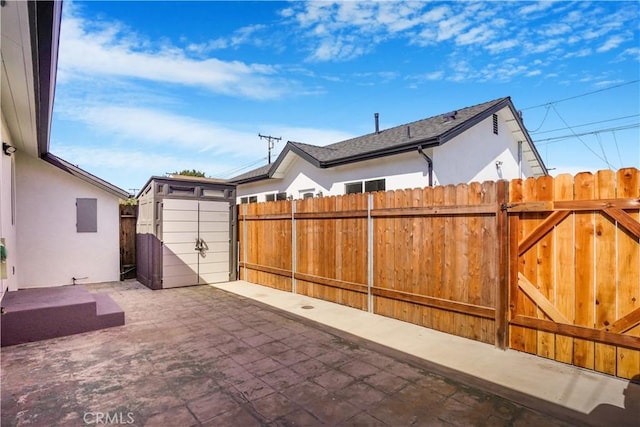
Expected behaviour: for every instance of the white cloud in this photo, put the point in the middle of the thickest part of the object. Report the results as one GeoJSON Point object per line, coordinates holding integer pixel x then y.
{"type": "Point", "coordinates": [112, 50]}
{"type": "Point", "coordinates": [501, 46]}
{"type": "Point", "coordinates": [476, 35]}
{"type": "Point", "coordinates": [245, 35]}
{"type": "Point", "coordinates": [611, 43]}
{"type": "Point", "coordinates": [533, 73]}
{"type": "Point", "coordinates": [555, 29]}
{"type": "Point", "coordinates": [435, 75]}
{"type": "Point", "coordinates": [340, 48]}
{"type": "Point", "coordinates": [632, 52]}
{"type": "Point", "coordinates": [157, 128]}
{"type": "Point", "coordinates": [535, 7]}
{"type": "Point", "coordinates": [152, 163]}
{"type": "Point", "coordinates": [545, 46]}
{"type": "Point", "coordinates": [451, 27]}
{"type": "Point", "coordinates": [435, 14]}
{"type": "Point", "coordinates": [579, 53]}
{"type": "Point", "coordinates": [608, 83]}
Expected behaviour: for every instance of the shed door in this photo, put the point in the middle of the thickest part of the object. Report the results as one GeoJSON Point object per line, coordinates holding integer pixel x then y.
{"type": "Point", "coordinates": [195, 237]}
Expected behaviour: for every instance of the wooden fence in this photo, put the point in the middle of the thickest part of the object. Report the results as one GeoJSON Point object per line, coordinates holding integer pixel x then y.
{"type": "Point", "coordinates": [531, 265]}
{"type": "Point", "coordinates": [128, 216]}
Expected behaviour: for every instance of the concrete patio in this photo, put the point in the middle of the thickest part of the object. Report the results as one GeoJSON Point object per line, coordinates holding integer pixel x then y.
{"type": "Point", "coordinates": [204, 356]}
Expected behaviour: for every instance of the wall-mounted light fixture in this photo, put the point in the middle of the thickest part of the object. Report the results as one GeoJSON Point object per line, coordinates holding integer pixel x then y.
{"type": "Point", "coordinates": [8, 149]}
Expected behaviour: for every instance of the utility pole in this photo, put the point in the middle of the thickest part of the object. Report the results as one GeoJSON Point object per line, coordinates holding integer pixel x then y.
{"type": "Point", "coordinates": [270, 143]}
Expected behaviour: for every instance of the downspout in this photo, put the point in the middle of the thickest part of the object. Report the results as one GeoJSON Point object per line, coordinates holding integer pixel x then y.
{"type": "Point", "coordinates": [520, 159]}
{"type": "Point", "coordinates": [429, 162]}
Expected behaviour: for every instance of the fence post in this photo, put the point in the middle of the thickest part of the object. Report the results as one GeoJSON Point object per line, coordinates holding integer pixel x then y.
{"type": "Point", "coordinates": [369, 252]}
{"type": "Point", "coordinates": [502, 300]}
{"type": "Point", "coordinates": [294, 250]}
{"type": "Point", "coordinates": [244, 240]}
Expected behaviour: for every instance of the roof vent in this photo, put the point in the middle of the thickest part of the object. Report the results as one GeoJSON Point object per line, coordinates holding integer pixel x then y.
{"type": "Point", "coordinates": [408, 131]}
{"type": "Point", "coordinates": [376, 117]}
{"type": "Point", "coordinates": [450, 116]}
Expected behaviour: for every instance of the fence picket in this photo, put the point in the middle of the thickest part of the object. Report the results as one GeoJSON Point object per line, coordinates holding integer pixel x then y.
{"type": "Point", "coordinates": [583, 350]}
{"type": "Point", "coordinates": [529, 223]}
{"type": "Point", "coordinates": [545, 265]}
{"type": "Point", "coordinates": [628, 295]}
{"type": "Point", "coordinates": [605, 274]}
{"type": "Point", "coordinates": [565, 273]}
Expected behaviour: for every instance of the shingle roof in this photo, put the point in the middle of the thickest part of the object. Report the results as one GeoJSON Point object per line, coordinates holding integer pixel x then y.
{"type": "Point", "coordinates": [406, 134]}
{"type": "Point", "coordinates": [431, 131]}
{"type": "Point", "coordinates": [261, 172]}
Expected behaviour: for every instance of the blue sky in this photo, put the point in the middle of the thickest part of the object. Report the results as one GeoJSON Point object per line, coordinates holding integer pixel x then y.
{"type": "Point", "coordinates": [146, 88]}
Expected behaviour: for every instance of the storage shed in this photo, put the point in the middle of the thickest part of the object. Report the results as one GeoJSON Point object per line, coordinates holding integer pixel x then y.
{"type": "Point", "coordinates": [185, 232]}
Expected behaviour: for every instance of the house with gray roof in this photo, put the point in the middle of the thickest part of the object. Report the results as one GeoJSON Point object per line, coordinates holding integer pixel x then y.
{"type": "Point", "coordinates": [483, 142]}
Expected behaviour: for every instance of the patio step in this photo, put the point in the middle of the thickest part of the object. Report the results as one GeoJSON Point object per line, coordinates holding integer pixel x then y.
{"type": "Point", "coordinates": [43, 313]}
{"type": "Point", "coordinates": [108, 313]}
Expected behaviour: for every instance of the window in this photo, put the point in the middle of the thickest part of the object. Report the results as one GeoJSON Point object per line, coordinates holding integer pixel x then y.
{"type": "Point", "coordinates": [369, 186]}
{"type": "Point", "coordinates": [374, 185]}
{"type": "Point", "coordinates": [87, 215]}
{"type": "Point", "coordinates": [307, 194]}
{"type": "Point", "coordinates": [249, 199]}
{"type": "Point", "coordinates": [495, 124]}
{"type": "Point", "coordinates": [276, 196]}
{"type": "Point", "coordinates": [353, 187]}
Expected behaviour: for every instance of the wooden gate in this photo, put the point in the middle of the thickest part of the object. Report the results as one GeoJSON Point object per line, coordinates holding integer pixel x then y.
{"type": "Point", "coordinates": [574, 286]}
{"type": "Point", "coordinates": [128, 215]}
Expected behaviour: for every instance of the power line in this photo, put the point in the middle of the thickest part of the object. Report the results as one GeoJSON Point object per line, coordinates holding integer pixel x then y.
{"type": "Point", "coordinates": [581, 95]}
{"type": "Point", "coordinates": [584, 124]}
{"type": "Point", "coordinates": [546, 141]}
{"type": "Point", "coordinates": [546, 113]}
{"type": "Point", "coordinates": [602, 148]}
{"type": "Point", "coordinates": [241, 168]}
{"type": "Point", "coordinates": [579, 139]}
{"type": "Point", "coordinates": [617, 148]}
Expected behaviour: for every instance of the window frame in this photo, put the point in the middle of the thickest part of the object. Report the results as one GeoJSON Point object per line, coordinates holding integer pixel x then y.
{"type": "Point", "coordinates": [353, 184]}
{"type": "Point", "coordinates": [375, 182]}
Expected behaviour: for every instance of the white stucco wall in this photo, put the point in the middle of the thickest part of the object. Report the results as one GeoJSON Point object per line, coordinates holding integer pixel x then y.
{"type": "Point", "coordinates": [7, 217]}
{"type": "Point", "coordinates": [50, 250]}
{"type": "Point", "coordinates": [472, 156]}
{"type": "Point", "coordinates": [407, 170]}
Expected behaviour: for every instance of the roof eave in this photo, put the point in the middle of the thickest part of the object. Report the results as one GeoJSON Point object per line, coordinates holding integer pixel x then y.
{"type": "Point", "coordinates": [472, 121]}
{"type": "Point", "coordinates": [516, 115]}
{"type": "Point", "coordinates": [292, 147]}
{"type": "Point", "coordinates": [399, 149]}
{"type": "Point", "coordinates": [249, 180]}
{"type": "Point", "coordinates": [44, 19]}
{"type": "Point", "coordinates": [65, 166]}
